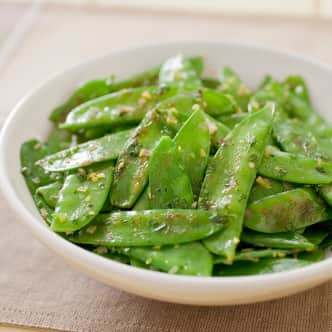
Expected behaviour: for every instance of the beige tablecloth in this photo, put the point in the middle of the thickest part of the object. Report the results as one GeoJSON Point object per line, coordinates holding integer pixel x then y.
{"type": "Point", "coordinates": [39, 289]}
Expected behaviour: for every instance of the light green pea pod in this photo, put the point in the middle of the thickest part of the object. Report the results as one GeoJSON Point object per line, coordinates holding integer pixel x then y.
{"type": "Point", "coordinates": [169, 185]}
{"type": "Point", "coordinates": [286, 212]}
{"type": "Point", "coordinates": [101, 149]}
{"type": "Point", "coordinates": [82, 197]}
{"type": "Point", "coordinates": [149, 228]}
{"type": "Point", "coordinates": [60, 139]}
{"type": "Point", "coordinates": [186, 259]}
{"type": "Point", "coordinates": [181, 71]}
{"type": "Point", "coordinates": [230, 176]}
{"type": "Point", "coordinates": [231, 120]}
{"type": "Point", "coordinates": [286, 240]}
{"type": "Point", "coordinates": [50, 193]}
{"type": "Point", "coordinates": [231, 83]}
{"type": "Point", "coordinates": [101, 87]}
{"type": "Point", "coordinates": [294, 168]}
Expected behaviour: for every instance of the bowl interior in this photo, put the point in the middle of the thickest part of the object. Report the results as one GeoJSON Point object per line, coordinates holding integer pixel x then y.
{"type": "Point", "coordinates": [30, 118]}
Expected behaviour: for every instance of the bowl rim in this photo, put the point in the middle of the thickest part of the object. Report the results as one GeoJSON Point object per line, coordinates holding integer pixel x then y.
{"type": "Point", "coordinates": [88, 260]}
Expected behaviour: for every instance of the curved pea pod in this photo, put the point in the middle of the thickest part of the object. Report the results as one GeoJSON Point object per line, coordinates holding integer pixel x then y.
{"type": "Point", "coordinates": [294, 168]}
{"type": "Point", "coordinates": [102, 149]}
{"type": "Point", "coordinates": [131, 170]}
{"type": "Point", "coordinates": [169, 185]}
{"type": "Point", "coordinates": [218, 131]}
{"type": "Point", "coordinates": [287, 211]}
{"type": "Point", "coordinates": [44, 209]}
{"type": "Point", "coordinates": [254, 255]}
{"type": "Point", "coordinates": [120, 108]}
{"type": "Point", "coordinates": [143, 202]}
{"type": "Point", "coordinates": [149, 228]}
{"type": "Point", "coordinates": [231, 120]}
{"type": "Point", "coordinates": [100, 87]}
{"type": "Point", "coordinates": [50, 193]}
{"type": "Point", "coordinates": [231, 83]}
{"type": "Point", "coordinates": [286, 240]}
{"type": "Point", "coordinates": [186, 259]}
{"type": "Point", "coordinates": [60, 139]}
{"type": "Point", "coordinates": [263, 266]}
{"type": "Point", "coordinates": [266, 187]}
{"type": "Point", "coordinates": [82, 197]}
{"type": "Point", "coordinates": [298, 86]}
{"type": "Point", "coordinates": [34, 175]}
{"type": "Point", "coordinates": [181, 71]}
{"type": "Point", "coordinates": [230, 176]}
{"type": "Point", "coordinates": [192, 144]}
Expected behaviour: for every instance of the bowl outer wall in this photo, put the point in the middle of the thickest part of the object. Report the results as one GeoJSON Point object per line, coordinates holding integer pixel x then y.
{"type": "Point", "coordinates": [29, 119]}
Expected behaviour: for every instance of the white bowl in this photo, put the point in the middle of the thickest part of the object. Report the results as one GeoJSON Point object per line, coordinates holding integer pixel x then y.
{"type": "Point", "coordinates": [29, 120]}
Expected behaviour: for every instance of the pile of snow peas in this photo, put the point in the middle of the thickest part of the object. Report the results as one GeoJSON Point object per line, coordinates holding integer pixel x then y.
{"type": "Point", "coordinates": [175, 172]}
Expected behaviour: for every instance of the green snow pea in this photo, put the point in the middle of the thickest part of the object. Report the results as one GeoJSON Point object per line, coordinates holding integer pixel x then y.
{"type": "Point", "coordinates": [231, 83]}
{"type": "Point", "coordinates": [100, 87]}
{"type": "Point", "coordinates": [60, 139]}
{"type": "Point", "coordinates": [188, 259]}
{"type": "Point", "coordinates": [286, 211]}
{"type": "Point", "coordinates": [192, 144]}
{"type": "Point", "coordinates": [230, 176]}
{"type": "Point", "coordinates": [143, 202]}
{"type": "Point", "coordinates": [267, 187]}
{"type": "Point", "coordinates": [315, 235]}
{"type": "Point", "coordinates": [131, 170]}
{"type": "Point", "coordinates": [101, 149]}
{"type": "Point", "coordinates": [210, 83]}
{"type": "Point", "coordinates": [115, 256]}
{"type": "Point", "coordinates": [286, 240]}
{"type": "Point", "coordinates": [149, 228]}
{"type": "Point", "coordinates": [181, 71]}
{"type": "Point", "coordinates": [50, 193]}
{"type": "Point", "coordinates": [253, 255]}
{"type": "Point", "coordinates": [44, 209]}
{"type": "Point", "coordinates": [169, 185]}
{"type": "Point", "coordinates": [120, 108]}
{"type": "Point", "coordinates": [35, 176]}
{"type": "Point", "coordinates": [82, 197]}
{"type": "Point", "coordinates": [231, 120]}
{"type": "Point", "coordinates": [263, 266]}
{"type": "Point", "coordinates": [312, 256]}
{"type": "Point", "coordinates": [294, 168]}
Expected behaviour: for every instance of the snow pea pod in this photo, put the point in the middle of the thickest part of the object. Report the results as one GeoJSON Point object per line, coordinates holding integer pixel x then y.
{"type": "Point", "coordinates": [169, 185]}
{"type": "Point", "coordinates": [50, 193]}
{"type": "Point", "coordinates": [187, 259]}
{"type": "Point", "coordinates": [294, 168]}
{"type": "Point", "coordinates": [44, 209]}
{"type": "Point", "coordinates": [231, 120]}
{"type": "Point", "coordinates": [192, 144]}
{"type": "Point", "coordinates": [286, 211]}
{"type": "Point", "coordinates": [315, 234]}
{"type": "Point", "coordinates": [100, 87]}
{"type": "Point", "coordinates": [231, 83]}
{"type": "Point", "coordinates": [149, 228]}
{"type": "Point", "coordinates": [286, 240]}
{"type": "Point", "coordinates": [266, 187]}
{"type": "Point", "coordinates": [124, 107]}
{"type": "Point", "coordinates": [82, 197]}
{"type": "Point", "coordinates": [209, 82]}
{"type": "Point", "coordinates": [34, 175]}
{"type": "Point", "coordinates": [254, 255]}
{"type": "Point", "coordinates": [263, 266]}
{"type": "Point", "coordinates": [131, 170]}
{"type": "Point", "coordinates": [181, 71]}
{"type": "Point", "coordinates": [102, 149]}
{"type": "Point", "coordinates": [230, 176]}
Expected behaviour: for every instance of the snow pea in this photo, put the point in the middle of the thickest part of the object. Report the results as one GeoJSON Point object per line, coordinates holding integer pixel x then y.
{"type": "Point", "coordinates": [100, 87]}
{"type": "Point", "coordinates": [181, 71]}
{"type": "Point", "coordinates": [286, 240]}
{"type": "Point", "coordinates": [263, 266]}
{"type": "Point", "coordinates": [44, 209]}
{"type": "Point", "coordinates": [230, 176]}
{"type": "Point", "coordinates": [169, 185]}
{"type": "Point", "coordinates": [254, 255]}
{"type": "Point", "coordinates": [149, 228]}
{"type": "Point", "coordinates": [187, 259]}
{"type": "Point", "coordinates": [124, 107]}
{"type": "Point", "coordinates": [131, 170]}
{"type": "Point", "coordinates": [294, 167]}
{"type": "Point", "coordinates": [193, 148]}
{"type": "Point", "coordinates": [101, 149]}
{"type": "Point", "coordinates": [231, 120]}
{"type": "Point", "coordinates": [82, 197]}
{"type": "Point", "coordinates": [60, 139]}
{"type": "Point", "coordinates": [50, 193]}
{"type": "Point", "coordinates": [34, 175]}
{"type": "Point", "coordinates": [266, 187]}
{"type": "Point", "coordinates": [286, 211]}
{"type": "Point", "coordinates": [231, 83]}
{"type": "Point", "coordinates": [315, 235]}
{"type": "Point", "coordinates": [210, 82]}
